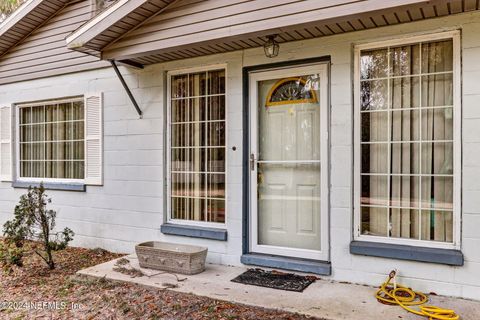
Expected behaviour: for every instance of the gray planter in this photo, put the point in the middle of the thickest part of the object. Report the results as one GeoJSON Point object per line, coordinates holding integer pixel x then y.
{"type": "Point", "coordinates": [173, 257]}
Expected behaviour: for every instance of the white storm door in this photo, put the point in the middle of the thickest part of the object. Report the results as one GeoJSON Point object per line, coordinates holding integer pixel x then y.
{"type": "Point", "coordinates": [289, 162]}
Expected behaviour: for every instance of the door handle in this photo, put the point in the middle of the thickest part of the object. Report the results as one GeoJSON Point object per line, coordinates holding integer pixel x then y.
{"type": "Point", "coordinates": [252, 161]}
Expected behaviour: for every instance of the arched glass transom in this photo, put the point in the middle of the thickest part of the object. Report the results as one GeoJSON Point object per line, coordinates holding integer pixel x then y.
{"type": "Point", "coordinates": [290, 91]}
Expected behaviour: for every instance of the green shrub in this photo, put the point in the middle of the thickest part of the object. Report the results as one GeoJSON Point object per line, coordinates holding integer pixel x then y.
{"type": "Point", "coordinates": [33, 221]}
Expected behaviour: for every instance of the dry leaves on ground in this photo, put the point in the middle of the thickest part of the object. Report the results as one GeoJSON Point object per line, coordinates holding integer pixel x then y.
{"type": "Point", "coordinates": [101, 299]}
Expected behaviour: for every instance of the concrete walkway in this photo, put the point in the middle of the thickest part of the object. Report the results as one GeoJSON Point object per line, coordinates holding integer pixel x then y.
{"type": "Point", "coordinates": [327, 299]}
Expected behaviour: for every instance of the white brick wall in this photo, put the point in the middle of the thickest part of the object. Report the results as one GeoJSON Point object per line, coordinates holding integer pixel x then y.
{"type": "Point", "coordinates": [129, 207]}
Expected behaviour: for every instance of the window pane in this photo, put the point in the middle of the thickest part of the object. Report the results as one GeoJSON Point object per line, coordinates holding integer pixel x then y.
{"type": "Point", "coordinates": [188, 159]}
{"type": "Point", "coordinates": [198, 146]}
{"type": "Point", "coordinates": [405, 158]}
{"type": "Point", "coordinates": [405, 92]}
{"type": "Point", "coordinates": [374, 64]}
{"type": "Point", "coordinates": [405, 60]}
{"type": "Point", "coordinates": [216, 185]}
{"type": "Point", "coordinates": [404, 191]}
{"type": "Point", "coordinates": [197, 110]}
{"type": "Point", "coordinates": [74, 150]}
{"type": "Point", "coordinates": [78, 111]}
{"type": "Point", "coordinates": [25, 115]}
{"type": "Point", "coordinates": [437, 192]}
{"type": "Point", "coordinates": [216, 211]}
{"type": "Point", "coordinates": [26, 151]}
{"type": "Point", "coordinates": [38, 169]}
{"type": "Point", "coordinates": [404, 223]}
{"type": "Point", "coordinates": [437, 124]}
{"type": "Point", "coordinates": [188, 209]}
{"type": "Point", "coordinates": [197, 84]}
{"type": "Point", "coordinates": [189, 134]}
{"type": "Point", "coordinates": [407, 150]}
{"type": "Point", "coordinates": [437, 90]}
{"type": "Point", "coordinates": [216, 108]}
{"type": "Point", "coordinates": [180, 86]}
{"type": "Point", "coordinates": [437, 158]}
{"type": "Point", "coordinates": [38, 115]}
{"type": "Point", "coordinates": [216, 82]}
{"type": "Point", "coordinates": [52, 136]}
{"type": "Point", "coordinates": [374, 190]}
{"type": "Point", "coordinates": [25, 169]}
{"type": "Point", "coordinates": [179, 110]}
{"type": "Point", "coordinates": [437, 225]}
{"type": "Point", "coordinates": [374, 94]}
{"type": "Point", "coordinates": [62, 109]}
{"type": "Point", "coordinates": [374, 126]}
{"type": "Point", "coordinates": [26, 133]}
{"type": "Point", "coordinates": [375, 158]}
{"type": "Point", "coordinates": [216, 134]}
{"type": "Point", "coordinates": [405, 125]}
{"type": "Point", "coordinates": [78, 130]}
{"type": "Point", "coordinates": [437, 56]}
{"type": "Point", "coordinates": [51, 113]}
{"type": "Point", "coordinates": [37, 132]}
{"type": "Point", "coordinates": [38, 152]}
{"type": "Point", "coordinates": [215, 159]}
{"type": "Point", "coordinates": [374, 221]}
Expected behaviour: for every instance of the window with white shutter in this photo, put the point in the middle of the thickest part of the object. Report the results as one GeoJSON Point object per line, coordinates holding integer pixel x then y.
{"type": "Point", "coordinates": [5, 144]}
{"type": "Point", "coordinates": [59, 141]}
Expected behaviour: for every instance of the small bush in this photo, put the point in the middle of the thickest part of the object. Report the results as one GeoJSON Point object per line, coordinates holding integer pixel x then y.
{"type": "Point", "coordinates": [10, 255]}
{"type": "Point", "coordinates": [33, 221]}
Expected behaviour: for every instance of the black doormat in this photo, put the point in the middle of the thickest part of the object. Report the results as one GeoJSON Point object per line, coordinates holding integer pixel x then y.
{"type": "Point", "coordinates": [275, 280]}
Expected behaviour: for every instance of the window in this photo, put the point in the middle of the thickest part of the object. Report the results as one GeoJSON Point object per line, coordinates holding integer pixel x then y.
{"type": "Point", "coordinates": [51, 140]}
{"type": "Point", "coordinates": [406, 141]}
{"type": "Point", "coordinates": [292, 90]}
{"type": "Point", "coordinates": [197, 147]}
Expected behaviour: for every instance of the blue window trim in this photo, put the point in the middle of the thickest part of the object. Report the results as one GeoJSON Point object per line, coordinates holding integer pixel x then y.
{"type": "Point", "coordinates": [412, 253]}
{"type": "Point", "coordinates": [79, 187]}
{"type": "Point", "coordinates": [194, 231]}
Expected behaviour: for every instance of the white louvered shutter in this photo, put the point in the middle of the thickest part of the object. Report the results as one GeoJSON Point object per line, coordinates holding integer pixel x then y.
{"type": "Point", "coordinates": [94, 139]}
{"type": "Point", "coordinates": [6, 143]}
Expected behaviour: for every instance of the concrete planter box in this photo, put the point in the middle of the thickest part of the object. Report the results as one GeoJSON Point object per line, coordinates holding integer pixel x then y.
{"type": "Point", "coordinates": [177, 258]}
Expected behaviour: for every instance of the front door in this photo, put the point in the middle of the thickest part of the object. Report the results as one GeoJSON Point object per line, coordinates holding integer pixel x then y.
{"type": "Point", "coordinates": [288, 162]}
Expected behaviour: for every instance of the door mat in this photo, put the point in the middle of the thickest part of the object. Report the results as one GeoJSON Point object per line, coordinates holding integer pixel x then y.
{"type": "Point", "coordinates": [275, 280]}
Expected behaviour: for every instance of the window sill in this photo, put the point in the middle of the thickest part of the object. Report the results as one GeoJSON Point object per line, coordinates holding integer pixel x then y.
{"type": "Point", "coordinates": [402, 252]}
{"type": "Point", "coordinates": [51, 185]}
{"type": "Point", "coordinates": [287, 263]}
{"type": "Point", "coordinates": [194, 231]}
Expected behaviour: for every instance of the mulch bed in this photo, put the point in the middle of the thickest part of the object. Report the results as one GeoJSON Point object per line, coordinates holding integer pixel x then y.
{"type": "Point", "coordinates": [274, 279]}
{"type": "Point", "coordinates": [34, 285]}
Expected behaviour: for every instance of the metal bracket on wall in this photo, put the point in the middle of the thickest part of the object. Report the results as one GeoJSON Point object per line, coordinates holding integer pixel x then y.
{"type": "Point", "coordinates": [127, 89]}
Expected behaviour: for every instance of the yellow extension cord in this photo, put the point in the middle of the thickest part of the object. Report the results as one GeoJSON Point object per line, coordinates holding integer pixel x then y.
{"type": "Point", "coordinates": [393, 294]}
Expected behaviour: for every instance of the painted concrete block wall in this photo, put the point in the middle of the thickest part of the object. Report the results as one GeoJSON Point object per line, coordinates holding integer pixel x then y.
{"type": "Point", "coordinates": [129, 207]}
{"type": "Point", "coordinates": [456, 281]}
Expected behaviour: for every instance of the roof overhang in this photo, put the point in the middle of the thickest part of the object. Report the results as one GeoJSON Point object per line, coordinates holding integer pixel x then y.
{"type": "Point", "coordinates": [23, 21]}
{"type": "Point", "coordinates": [111, 24]}
{"type": "Point", "coordinates": [185, 29]}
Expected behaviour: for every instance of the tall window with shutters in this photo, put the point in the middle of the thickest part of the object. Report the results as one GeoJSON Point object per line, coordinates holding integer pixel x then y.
{"type": "Point", "coordinates": [197, 151]}
{"type": "Point", "coordinates": [51, 140]}
{"type": "Point", "coordinates": [407, 135]}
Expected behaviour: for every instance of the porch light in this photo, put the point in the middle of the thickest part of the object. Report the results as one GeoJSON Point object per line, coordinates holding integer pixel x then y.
{"type": "Point", "coordinates": [271, 46]}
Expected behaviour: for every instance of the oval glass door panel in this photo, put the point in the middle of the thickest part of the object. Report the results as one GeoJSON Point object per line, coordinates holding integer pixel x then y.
{"type": "Point", "coordinates": [288, 164]}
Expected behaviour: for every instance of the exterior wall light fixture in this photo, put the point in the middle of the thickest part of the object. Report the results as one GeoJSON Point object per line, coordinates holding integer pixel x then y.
{"type": "Point", "coordinates": [271, 47]}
